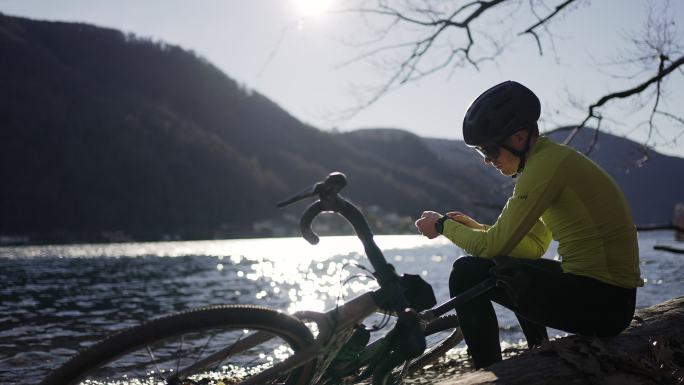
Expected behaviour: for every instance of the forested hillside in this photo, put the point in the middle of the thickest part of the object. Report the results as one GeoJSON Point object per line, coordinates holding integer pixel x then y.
{"type": "Point", "coordinates": [107, 135]}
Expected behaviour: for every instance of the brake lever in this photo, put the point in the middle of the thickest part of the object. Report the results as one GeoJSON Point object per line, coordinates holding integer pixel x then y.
{"type": "Point", "coordinates": [306, 193]}
{"type": "Point", "coordinates": [327, 191]}
{"type": "Point", "coordinates": [332, 184]}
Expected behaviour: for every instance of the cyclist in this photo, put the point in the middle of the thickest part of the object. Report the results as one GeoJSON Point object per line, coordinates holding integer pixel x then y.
{"type": "Point", "coordinates": [559, 194]}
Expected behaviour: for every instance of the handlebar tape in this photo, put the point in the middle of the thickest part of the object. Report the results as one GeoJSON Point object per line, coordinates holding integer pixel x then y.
{"type": "Point", "coordinates": [305, 222]}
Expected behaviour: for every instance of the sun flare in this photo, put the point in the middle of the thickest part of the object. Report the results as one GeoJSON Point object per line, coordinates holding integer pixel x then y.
{"type": "Point", "coordinates": [312, 8]}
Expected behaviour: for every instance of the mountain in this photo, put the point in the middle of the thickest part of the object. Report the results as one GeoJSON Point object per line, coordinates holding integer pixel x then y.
{"type": "Point", "coordinates": [106, 136]}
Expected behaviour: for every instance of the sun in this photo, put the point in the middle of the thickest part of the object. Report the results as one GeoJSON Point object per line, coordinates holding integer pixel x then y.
{"type": "Point", "coordinates": [312, 8]}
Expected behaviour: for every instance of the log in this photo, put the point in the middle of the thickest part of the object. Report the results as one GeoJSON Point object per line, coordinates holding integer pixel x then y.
{"type": "Point", "coordinates": [677, 223]}
{"type": "Point", "coordinates": [649, 351]}
{"type": "Point", "coordinates": [669, 248]}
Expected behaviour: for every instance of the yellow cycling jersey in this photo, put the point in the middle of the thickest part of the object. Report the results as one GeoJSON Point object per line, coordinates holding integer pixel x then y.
{"type": "Point", "coordinates": [563, 195]}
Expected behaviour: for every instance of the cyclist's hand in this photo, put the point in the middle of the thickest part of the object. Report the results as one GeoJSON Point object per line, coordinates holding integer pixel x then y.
{"type": "Point", "coordinates": [426, 223]}
{"type": "Point", "coordinates": [466, 220]}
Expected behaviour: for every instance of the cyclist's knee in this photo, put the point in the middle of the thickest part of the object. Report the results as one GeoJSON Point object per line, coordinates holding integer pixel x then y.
{"type": "Point", "coordinates": [470, 263]}
{"type": "Point", "coordinates": [468, 271]}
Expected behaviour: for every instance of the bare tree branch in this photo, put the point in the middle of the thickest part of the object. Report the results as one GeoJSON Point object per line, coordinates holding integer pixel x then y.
{"type": "Point", "coordinates": [531, 30]}
{"type": "Point", "coordinates": [450, 29]}
{"type": "Point", "coordinates": [640, 87]}
{"type": "Point", "coordinates": [677, 119]}
{"type": "Point", "coordinates": [408, 69]}
{"type": "Point", "coordinates": [621, 95]}
{"type": "Point", "coordinates": [436, 19]}
{"type": "Point", "coordinates": [651, 126]}
{"type": "Point", "coordinates": [547, 18]}
{"type": "Point", "coordinates": [671, 116]}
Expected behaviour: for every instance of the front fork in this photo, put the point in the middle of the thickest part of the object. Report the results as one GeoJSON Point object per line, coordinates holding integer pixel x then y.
{"type": "Point", "coordinates": [336, 327]}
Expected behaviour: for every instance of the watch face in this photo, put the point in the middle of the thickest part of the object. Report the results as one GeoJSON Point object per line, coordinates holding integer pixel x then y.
{"type": "Point", "coordinates": [439, 225]}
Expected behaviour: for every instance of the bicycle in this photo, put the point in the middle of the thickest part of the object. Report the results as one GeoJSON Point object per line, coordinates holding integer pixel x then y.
{"type": "Point", "coordinates": [246, 345]}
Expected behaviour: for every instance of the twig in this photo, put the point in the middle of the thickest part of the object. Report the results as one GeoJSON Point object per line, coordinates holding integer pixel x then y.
{"type": "Point", "coordinates": [408, 69]}
{"type": "Point", "coordinates": [623, 94]}
{"type": "Point", "coordinates": [531, 30]}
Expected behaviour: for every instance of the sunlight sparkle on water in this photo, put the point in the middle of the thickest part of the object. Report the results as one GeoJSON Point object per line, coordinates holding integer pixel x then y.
{"type": "Point", "coordinates": [305, 274]}
{"type": "Point", "coordinates": [307, 277]}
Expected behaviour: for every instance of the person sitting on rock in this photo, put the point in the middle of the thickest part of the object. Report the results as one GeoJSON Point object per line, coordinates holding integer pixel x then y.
{"type": "Point", "coordinates": [559, 194]}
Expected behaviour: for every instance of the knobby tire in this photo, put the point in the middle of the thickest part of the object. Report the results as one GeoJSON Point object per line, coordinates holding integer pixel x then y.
{"type": "Point", "coordinates": [292, 331]}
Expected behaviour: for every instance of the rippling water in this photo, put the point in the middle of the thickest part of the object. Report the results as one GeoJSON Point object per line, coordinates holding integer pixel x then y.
{"type": "Point", "coordinates": [57, 299]}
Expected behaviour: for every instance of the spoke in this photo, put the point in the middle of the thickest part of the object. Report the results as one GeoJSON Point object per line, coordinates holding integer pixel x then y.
{"type": "Point", "coordinates": [199, 355]}
{"type": "Point", "coordinates": [404, 370]}
{"type": "Point", "coordinates": [229, 351]}
{"type": "Point", "coordinates": [180, 355]}
{"type": "Point", "coordinates": [154, 360]}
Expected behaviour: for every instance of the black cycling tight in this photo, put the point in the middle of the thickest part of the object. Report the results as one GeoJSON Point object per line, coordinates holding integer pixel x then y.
{"type": "Point", "coordinates": [573, 303]}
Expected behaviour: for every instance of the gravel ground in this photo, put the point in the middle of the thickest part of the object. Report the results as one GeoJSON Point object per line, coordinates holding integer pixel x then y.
{"type": "Point", "coordinates": [454, 363]}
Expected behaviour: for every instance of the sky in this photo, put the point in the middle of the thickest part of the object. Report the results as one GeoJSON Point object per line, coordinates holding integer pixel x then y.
{"type": "Point", "coordinates": [299, 53]}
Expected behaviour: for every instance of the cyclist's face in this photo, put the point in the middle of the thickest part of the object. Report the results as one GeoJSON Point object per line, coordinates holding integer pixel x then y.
{"type": "Point", "coordinates": [503, 160]}
{"type": "Point", "coordinates": [500, 157]}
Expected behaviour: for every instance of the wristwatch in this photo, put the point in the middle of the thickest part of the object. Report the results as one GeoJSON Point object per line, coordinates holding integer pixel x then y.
{"type": "Point", "coordinates": [439, 225]}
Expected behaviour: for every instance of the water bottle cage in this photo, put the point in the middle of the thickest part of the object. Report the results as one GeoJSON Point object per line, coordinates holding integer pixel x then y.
{"type": "Point", "coordinates": [344, 362]}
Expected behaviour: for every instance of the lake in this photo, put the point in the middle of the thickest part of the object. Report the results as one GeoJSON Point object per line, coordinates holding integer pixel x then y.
{"type": "Point", "coordinates": [56, 300]}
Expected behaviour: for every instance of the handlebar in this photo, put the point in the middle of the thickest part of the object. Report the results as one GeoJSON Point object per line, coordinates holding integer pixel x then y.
{"type": "Point", "coordinates": [306, 220]}
{"type": "Point", "coordinates": [329, 200]}
{"type": "Point", "coordinates": [327, 190]}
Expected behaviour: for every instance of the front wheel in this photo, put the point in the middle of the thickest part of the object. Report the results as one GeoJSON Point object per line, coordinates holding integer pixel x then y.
{"type": "Point", "coordinates": [212, 345]}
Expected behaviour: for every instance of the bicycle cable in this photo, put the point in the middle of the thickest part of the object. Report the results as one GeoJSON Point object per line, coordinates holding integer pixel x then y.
{"type": "Point", "coordinates": [350, 278]}
{"type": "Point", "coordinates": [386, 317]}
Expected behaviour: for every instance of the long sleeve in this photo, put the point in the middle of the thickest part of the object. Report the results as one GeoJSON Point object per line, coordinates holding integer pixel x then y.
{"type": "Point", "coordinates": [518, 231]}
{"type": "Point", "coordinates": [534, 244]}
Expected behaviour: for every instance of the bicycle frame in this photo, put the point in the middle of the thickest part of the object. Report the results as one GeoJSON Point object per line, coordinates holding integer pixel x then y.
{"type": "Point", "coordinates": [335, 327]}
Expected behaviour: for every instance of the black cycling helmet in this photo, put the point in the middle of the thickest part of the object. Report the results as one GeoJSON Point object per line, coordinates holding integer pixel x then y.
{"type": "Point", "coordinates": [499, 112]}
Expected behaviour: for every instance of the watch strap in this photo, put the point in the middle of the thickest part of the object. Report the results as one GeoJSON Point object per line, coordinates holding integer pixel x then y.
{"type": "Point", "coordinates": [439, 225]}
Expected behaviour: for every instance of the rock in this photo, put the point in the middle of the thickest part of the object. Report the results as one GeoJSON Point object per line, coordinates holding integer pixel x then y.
{"type": "Point", "coordinates": [650, 351]}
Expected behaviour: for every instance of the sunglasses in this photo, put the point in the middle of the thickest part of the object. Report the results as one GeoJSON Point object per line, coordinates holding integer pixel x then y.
{"type": "Point", "coordinates": [489, 151]}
